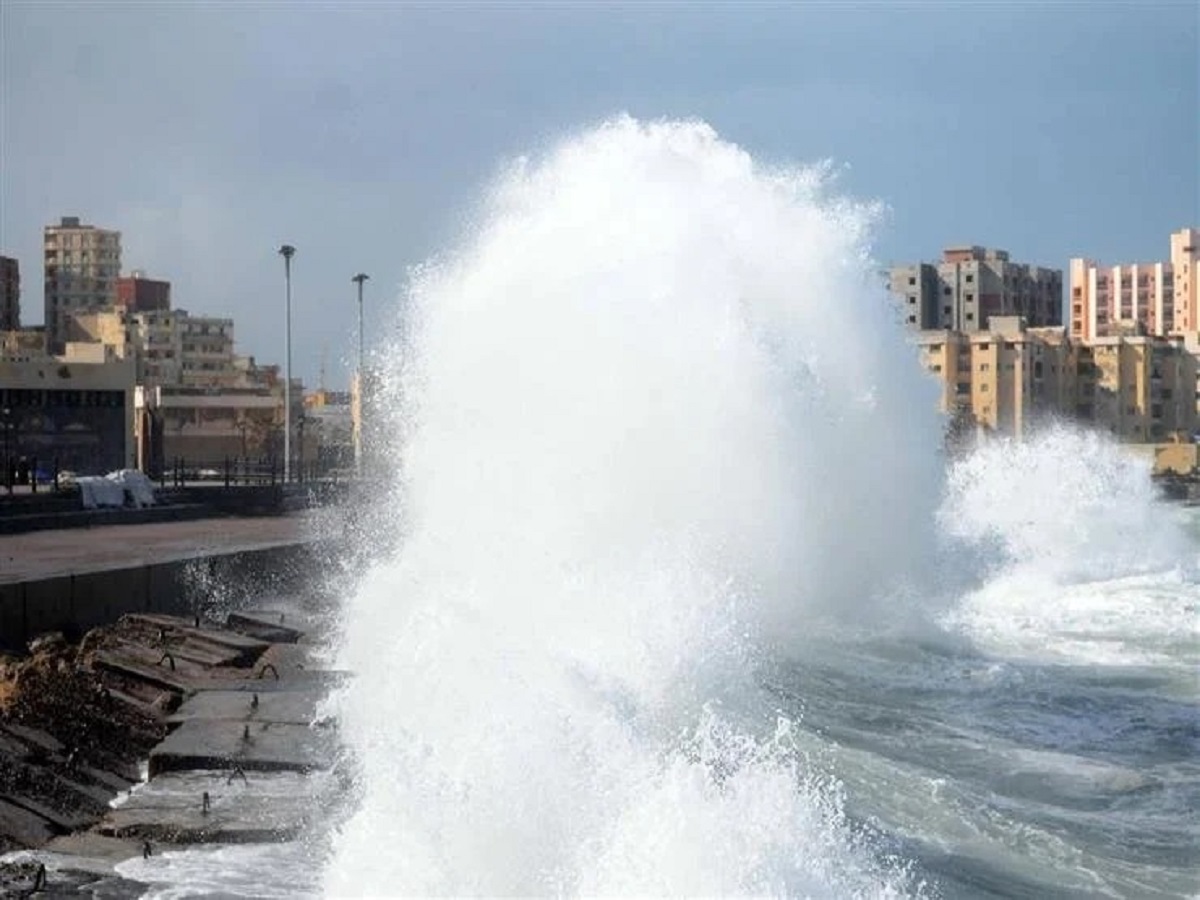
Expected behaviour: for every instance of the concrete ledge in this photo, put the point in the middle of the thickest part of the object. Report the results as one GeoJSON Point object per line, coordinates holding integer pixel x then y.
{"type": "Point", "coordinates": [271, 747]}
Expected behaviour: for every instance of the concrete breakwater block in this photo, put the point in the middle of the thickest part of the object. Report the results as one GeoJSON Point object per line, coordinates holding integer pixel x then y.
{"type": "Point", "coordinates": [264, 625]}
{"type": "Point", "coordinates": [263, 807]}
{"type": "Point", "coordinates": [158, 676]}
{"type": "Point", "coordinates": [198, 744]}
{"type": "Point", "coordinates": [26, 828]}
{"type": "Point", "coordinates": [320, 680]}
{"type": "Point", "coordinates": [243, 649]}
{"type": "Point", "coordinates": [284, 707]}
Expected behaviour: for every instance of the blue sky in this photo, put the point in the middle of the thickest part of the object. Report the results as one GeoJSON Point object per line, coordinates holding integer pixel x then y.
{"type": "Point", "coordinates": [362, 132]}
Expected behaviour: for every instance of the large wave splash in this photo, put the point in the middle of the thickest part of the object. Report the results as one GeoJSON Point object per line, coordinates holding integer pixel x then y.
{"type": "Point", "coordinates": [656, 416]}
{"type": "Point", "coordinates": [1083, 562]}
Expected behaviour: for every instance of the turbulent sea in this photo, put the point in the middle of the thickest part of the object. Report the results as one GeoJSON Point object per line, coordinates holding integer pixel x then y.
{"type": "Point", "coordinates": [686, 599]}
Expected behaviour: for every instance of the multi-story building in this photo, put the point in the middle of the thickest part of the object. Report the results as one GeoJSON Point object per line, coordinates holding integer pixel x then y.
{"type": "Point", "coordinates": [971, 286]}
{"type": "Point", "coordinates": [10, 294]}
{"type": "Point", "coordinates": [1160, 298]}
{"type": "Point", "coordinates": [204, 426]}
{"type": "Point", "coordinates": [168, 346]}
{"type": "Point", "coordinates": [206, 350]}
{"type": "Point", "coordinates": [1004, 379]}
{"type": "Point", "coordinates": [82, 263]}
{"type": "Point", "coordinates": [1138, 388]}
{"type": "Point", "coordinates": [137, 293]}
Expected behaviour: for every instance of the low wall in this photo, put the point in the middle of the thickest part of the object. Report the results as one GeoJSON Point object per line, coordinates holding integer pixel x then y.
{"type": "Point", "coordinates": [207, 585]}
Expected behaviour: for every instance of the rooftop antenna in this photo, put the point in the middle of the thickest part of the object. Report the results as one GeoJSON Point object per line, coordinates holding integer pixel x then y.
{"type": "Point", "coordinates": [321, 377]}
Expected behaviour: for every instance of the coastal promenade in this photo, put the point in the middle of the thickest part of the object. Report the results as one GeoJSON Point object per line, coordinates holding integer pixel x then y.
{"type": "Point", "coordinates": [45, 554]}
{"type": "Point", "coordinates": [74, 579]}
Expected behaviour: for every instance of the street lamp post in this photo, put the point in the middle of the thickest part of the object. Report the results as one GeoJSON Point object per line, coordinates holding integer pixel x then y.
{"type": "Point", "coordinates": [358, 435]}
{"type": "Point", "coordinates": [287, 252]}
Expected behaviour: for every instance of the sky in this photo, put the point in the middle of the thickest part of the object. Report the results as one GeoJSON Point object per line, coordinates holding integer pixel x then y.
{"type": "Point", "coordinates": [363, 133]}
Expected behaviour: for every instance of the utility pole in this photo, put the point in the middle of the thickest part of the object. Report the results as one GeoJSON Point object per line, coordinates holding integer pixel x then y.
{"type": "Point", "coordinates": [358, 435]}
{"type": "Point", "coordinates": [287, 252]}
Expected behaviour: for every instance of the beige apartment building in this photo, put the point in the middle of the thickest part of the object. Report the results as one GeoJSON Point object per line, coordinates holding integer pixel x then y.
{"type": "Point", "coordinates": [1140, 389]}
{"type": "Point", "coordinates": [1006, 378]}
{"type": "Point", "coordinates": [168, 346]}
{"type": "Point", "coordinates": [81, 264]}
{"type": "Point", "coordinates": [1158, 298]}
{"type": "Point", "coordinates": [972, 285]}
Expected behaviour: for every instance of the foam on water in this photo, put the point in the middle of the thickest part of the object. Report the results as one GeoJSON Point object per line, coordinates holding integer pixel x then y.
{"type": "Point", "coordinates": [1086, 565]}
{"type": "Point", "coordinates": [655, 416]}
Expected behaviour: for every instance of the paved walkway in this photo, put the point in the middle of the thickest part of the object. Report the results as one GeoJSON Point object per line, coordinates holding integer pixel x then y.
{"type": "Point", "coordinates": [43, 554]}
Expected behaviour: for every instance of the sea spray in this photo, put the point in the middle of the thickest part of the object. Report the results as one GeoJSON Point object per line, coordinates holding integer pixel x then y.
{"type": "Point", "coordinates": [1080, 560]}
{"type": "Point", "coordinates": [655, 418]}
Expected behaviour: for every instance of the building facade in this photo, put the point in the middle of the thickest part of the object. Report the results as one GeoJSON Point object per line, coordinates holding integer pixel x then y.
{"type": "Point", "coordinates": [1005, 379]}
{"type": "Point", "coordinates": [970, 286]}
{"type": "Point", "coordinates": [137, 293]}
{"type": "Point", "coordinates": [1137, 388]}
{"type": "Point", "coordinates": [167, 346]}
{"type": "Point", "coordinates": [1156, 298]}
{"type": "Point", "coordinates": [10, 294]}
{"type": "Point", "coordinates": [23, 344]}
{"type": "Point", "coordinates": [81, 264]}
{"type": "Point", "coordinates": [67, 415]}
{"type": "Point", "coordinates": [1140, 389]}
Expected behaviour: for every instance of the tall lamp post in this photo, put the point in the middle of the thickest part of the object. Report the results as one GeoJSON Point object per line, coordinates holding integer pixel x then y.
{"type": "Point", "coordinates": [287, 251]}
{"type": "Point", "coordinates": [358, 434]}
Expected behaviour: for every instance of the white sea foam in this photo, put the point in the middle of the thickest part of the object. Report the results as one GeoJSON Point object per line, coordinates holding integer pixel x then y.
{"type": "Point", "coordinates": [1085, 564]}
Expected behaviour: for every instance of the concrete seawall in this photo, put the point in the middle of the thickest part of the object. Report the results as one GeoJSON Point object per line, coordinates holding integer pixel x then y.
{"type": "Point", "coordinates": [75, 580]}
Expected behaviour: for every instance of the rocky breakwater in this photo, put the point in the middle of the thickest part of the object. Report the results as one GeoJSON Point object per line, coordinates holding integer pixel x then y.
{"type": "Point", "coordinates": [157, 733]}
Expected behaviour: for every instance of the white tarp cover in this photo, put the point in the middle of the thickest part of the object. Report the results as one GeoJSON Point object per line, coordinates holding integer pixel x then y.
{"type": "Point", "coordinates": [110, 490]}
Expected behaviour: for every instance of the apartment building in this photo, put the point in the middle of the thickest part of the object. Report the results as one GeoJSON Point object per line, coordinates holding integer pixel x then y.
{"type": "Point", "coordinates": [168, 346]}
{"type": "Point", "coordinates": [1159, 298]}
{"type": "Point", "coordinates": [1138, 388]}
{"type": "Point", "coordinates": [10, 294]}
{"type": "Point", "coordinates": [81, 264]}
{"type": "Point", "coordinates": [137, 293]}
{"type": "Point", "coordinates": [1005, 379]}
{"type": "Point", "coordinates": [972, 285]}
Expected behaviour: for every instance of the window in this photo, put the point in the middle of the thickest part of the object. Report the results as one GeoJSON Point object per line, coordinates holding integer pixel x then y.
{"type": "Point", "coordinates": [969, 297]}
{"type": "Point", "coordinates": [969, 278]}
{"type": "Point", "coordinates": [983, 388]}
{"type": "Point", "coordinates": [984, 367]}
{"type": "Point", "coordinates": [970, 317]}
{"type": "Point", "coordinates": [912, 280]}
